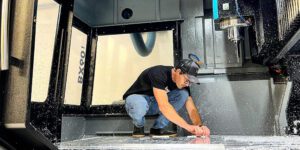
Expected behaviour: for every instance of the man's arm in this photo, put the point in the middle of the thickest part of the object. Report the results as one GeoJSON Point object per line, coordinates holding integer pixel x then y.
{"type": "Point", "coordinates": [169, 112]}
{"type": "Point", "coordinates": [193, 112]}
{"type": "Point", "coordinates": [195, 116]}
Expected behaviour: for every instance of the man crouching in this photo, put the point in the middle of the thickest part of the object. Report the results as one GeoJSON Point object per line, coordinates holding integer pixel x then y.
{"type": "Point", "coordinates": [164, 90]}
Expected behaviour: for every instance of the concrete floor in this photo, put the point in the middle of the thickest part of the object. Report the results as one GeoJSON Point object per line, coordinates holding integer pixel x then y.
{"type": "Point", "coordinates": [214, 142]}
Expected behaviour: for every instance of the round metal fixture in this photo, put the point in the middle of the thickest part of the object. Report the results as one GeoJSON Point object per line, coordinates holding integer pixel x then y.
{"type": "Point", "coordinates": [127, 13]}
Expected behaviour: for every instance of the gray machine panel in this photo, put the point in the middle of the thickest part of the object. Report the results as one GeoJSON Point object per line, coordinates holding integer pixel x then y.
{"type": "Point", "coordinates": [72, 128]}
{"type": "Point", "coordinates": [191, 8]}
{"type": "Point", "coordinates": [209, 43]}
{"type": "Point", "coordinates": [226, 52]}
{"type": "Point", "coordinates": [188, 37]}
{"type": "Point", "coordinates": [235, 107]}
{"type": "Point", "coordinates": [169, 9]}
{"type": "Point", "coordinates": [94, 12]}
{"type": "Point", "coordinates": [212, 46]}
{"type": "Point", "coordinates": [98, 13]}
{"type": "Point", "coordinates": [200, 49]}
{"type": "Point", "coordinates": [143, 11]}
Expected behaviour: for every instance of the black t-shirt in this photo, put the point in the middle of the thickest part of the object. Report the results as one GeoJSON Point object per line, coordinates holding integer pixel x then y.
{"type": "Point", "coordinates": [157, 76]}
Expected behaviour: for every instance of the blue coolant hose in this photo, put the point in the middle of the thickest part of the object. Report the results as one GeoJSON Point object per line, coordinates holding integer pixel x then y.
{"type": "Point", "coordinates": [139, 44]}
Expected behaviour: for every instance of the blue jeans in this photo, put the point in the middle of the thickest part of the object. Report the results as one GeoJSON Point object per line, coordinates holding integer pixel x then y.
{"type": "Point", "coordinates": [138, 105]}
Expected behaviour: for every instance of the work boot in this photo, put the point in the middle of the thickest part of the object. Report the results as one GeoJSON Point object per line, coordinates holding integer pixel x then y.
{"type": "Point", "coordinates": [162, 132]}
{"type": "Point", "coordinates": [138, 132]}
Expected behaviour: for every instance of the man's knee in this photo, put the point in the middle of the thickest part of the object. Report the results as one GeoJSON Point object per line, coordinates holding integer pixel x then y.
{"type": "Point", "coordinates": [178, 98]}
{"type": "Point", "coordinates": [136, 105]}
{"type": "Point", "coordinates": [184, 94]}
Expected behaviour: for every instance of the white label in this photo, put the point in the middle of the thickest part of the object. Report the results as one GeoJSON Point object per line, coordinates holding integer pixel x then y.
{"type": "Point", "coordinates": [226, 6]}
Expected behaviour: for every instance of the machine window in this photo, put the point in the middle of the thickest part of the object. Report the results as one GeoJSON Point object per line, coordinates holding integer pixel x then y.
{"type": "Point", "coordinates": [118, 64]}
{"type": "Point", "coordinates": [75, 68]}
{"type": "Point", "coordinates": [46, 21]}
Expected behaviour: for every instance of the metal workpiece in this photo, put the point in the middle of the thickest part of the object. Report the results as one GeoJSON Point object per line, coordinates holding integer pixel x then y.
{"type": "Point", "coordinates": [213, 142]}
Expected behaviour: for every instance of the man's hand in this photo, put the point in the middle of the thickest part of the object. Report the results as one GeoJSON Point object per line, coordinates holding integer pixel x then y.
{"type": "Point", "coordinates": [199, 131]}
{"type": "Point", "coordinates": [206, 131]}
{"type": "Point", "coordinates": [196, 130]}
